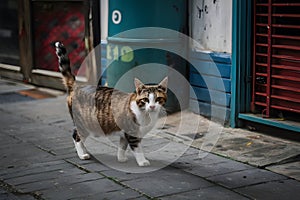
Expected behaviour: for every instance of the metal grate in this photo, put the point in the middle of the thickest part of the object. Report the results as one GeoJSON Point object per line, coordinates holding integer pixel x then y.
{"type": "Point", "coordinates": [276, 57]}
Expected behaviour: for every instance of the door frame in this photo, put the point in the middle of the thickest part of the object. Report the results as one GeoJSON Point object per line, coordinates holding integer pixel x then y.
{"type": "Point", "coordinates": [242, 37]}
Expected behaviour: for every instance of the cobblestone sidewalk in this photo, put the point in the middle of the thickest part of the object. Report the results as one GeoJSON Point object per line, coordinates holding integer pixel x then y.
{"type": "Point", "coordinates": [38, 161]}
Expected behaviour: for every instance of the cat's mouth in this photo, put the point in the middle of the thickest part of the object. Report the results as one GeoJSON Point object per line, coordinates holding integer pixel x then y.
{"type": "Point", "coordinates": [152, 110]}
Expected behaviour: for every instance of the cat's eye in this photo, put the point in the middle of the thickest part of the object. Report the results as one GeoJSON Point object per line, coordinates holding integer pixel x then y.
{"type": "Point", "coordinates": [145, 100]}
{"type": "Point", "coordinates": [159, 99]}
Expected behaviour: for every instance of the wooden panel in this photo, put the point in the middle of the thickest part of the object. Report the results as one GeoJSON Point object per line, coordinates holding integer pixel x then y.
{"type": "Point", "coordinates": [25, 37]}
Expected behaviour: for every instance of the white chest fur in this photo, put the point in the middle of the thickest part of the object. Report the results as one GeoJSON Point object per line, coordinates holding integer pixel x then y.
{"type": "Point", "coordinates": [146, 120]}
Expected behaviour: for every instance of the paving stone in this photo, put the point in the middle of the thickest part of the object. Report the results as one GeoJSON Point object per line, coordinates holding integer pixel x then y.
{"type": "Point", "coordinates": [30, 170]}
{"type": "Point", "coordinates": [31, 178]}
{"type": "Point", "coordinates": [12, 86]}
{"type": "Point", "coordinates": [35, 108]}
{"type": "Point", "coordinates": [153, 143]}
{"type": "Point", "coordinates": [191, 151]}
{"type": "Point", "coordinates": [209, 165]}
{"type": "Point", "coordinates": [167, 153]}
{"type": "Point", "coordinates": [7, 140]}
{"type": "Point", "coordinates": [270, 154]}
{"type": "Point", "coordinates": [9, 196]}
{"type": "Point", "coordinates": [78, 161]}
{"type": "Point", "coordinates": [289, 169]}
{"type": "Point", "coordinates": [2, 191]}
{"type": "Point", "coordinates": [28, 127]}
{"type": "Point", "coordinates": [10, 120]}
{"type": "Point", "coordinates": [95, 166]}
{"type": "Point", "coordinates": [59, 181]}
{"type": "Point", "coordinates": [13, 97]}
{"type": "Point", "coordinates": [141, 198]}
{"type": "Point", "coordinates": [110, 160]}
{"type": "Point", "coordinates": [65, 150]}
{"type": "Point", "coordinates": [167, 181]}
{"type": "Point", "coordinates": [246, 177]}
{"type": "Point", "coordinates": [200, 158]}
{"type": "Point", "coordinates": [21, 154]}
{"type": "Point", "coordinates": [285, 189]}
{"type": "Point", "coordinates": [65, 145]}
{"type": "Point", "coordinates": [120, 194]}
{"type": "Point", "coordinates": [126, 176]}
{"type": "Point", "coordinates": [67, 156]}
{"type": "Point", "coordinates": [214, 192]}
{"type": "Point", "coordinates": [36, 187]}
{"type": "Point", "coordinates": [92, 188]}
{"type": "Point", "coordinates": [37, 131]}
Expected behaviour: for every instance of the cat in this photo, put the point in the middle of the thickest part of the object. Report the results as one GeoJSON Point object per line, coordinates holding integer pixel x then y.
{"type": "Point", "coordinates": [132, 114]}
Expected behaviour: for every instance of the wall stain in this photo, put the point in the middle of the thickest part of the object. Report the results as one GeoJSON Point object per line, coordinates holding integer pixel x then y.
{"type": "Point", "coordinates": [199, 12]}
{"type": "Point", "coordinates": [176, 8]}
{"type": "Point", "coordinates": [206, 9]}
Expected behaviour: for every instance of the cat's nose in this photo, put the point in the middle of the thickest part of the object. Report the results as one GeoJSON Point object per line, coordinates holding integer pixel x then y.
{"type": "Point", "coordinates": [152, 107]}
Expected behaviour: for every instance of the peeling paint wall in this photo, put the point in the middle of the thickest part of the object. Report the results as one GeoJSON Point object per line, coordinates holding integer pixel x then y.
{"type": "Point", "coordinates": [211, 22]}
{"type": "Point", "coordinates": [104, 18]}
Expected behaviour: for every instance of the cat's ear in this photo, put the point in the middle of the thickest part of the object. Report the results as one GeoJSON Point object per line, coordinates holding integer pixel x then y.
{"type": "Point", "coordinates": [164, 84]}
{"type": "Point", "coordinates": [138, 85]}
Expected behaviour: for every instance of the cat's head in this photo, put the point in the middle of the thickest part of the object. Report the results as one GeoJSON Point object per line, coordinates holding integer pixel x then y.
{"type": "Point", "coordinates": [151, 98]}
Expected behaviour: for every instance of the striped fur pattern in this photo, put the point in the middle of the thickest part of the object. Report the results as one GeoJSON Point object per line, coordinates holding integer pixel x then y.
{"type": "Point", "coordinates": [134, 114]}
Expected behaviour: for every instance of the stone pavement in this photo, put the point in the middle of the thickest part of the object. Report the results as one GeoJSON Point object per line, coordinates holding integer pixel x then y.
{"type": "Point", "coordinates": [38, 160]}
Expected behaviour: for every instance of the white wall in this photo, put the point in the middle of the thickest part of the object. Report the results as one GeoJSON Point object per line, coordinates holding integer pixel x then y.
{"type": "Point", "coordinates": [210, 24]}
{"type": "Point", "coordinates": [104, 18]}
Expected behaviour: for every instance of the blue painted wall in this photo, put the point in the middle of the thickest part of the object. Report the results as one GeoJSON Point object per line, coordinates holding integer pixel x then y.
{"type": "Point", "coordinates": [203, 74]}
{"type": "Point", "coordinates": [103, 62]}
{"type": "Point", "coordinates": [200, 75]}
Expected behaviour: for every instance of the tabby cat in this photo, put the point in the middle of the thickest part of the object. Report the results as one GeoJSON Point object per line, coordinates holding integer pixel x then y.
{"type": "Point", "coordinates": [132, 114]}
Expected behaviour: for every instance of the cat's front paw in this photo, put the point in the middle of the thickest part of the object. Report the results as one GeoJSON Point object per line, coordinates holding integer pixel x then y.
{"type": "Point", "coordinates": [144, 163]}
{"type": "Point", "coordinates": [122, 159]}
{"type": "Point", "coordinates": [85, 156]}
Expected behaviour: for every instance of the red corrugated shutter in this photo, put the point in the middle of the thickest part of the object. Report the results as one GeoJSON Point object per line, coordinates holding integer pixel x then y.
{"type": "Point", "coordinates": [276, 57]}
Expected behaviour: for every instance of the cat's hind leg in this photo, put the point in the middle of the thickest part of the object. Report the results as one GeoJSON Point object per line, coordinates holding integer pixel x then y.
{"type": "Point", "coordinates": [80, 148]}
{"type": "Point", "coordinates": [122, 149]}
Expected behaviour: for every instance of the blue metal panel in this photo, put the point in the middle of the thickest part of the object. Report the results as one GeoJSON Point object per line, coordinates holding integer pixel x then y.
{"type": "Point", "coordinates": [129, 39]}
{"type": "Point", "coordinates": [212, 56]}
{"type": "Point", "coordinates": [197, 80]}
{"type": "Point", "coordinates": [131, 14]}
{"type": "Point", "coordinates": [206, 109]}
{"type": "Point", "coordinates": [212, 96]}
{"type": "Point", "coordinates": [207, 67]}
{"type": "Point", "coordinates": [103, 63]}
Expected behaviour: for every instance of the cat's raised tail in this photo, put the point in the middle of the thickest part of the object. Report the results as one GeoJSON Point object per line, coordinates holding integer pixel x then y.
{"type": "Point", "coordinates": [64, 67]}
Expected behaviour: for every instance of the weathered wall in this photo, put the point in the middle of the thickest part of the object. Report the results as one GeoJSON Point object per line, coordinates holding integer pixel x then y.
{"type": "Point", "coordinates": [210, 23]}
{"type": "Point", "coordinates": [210, 26]}
{"type": "Point", "coordinates": [104, 18]}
